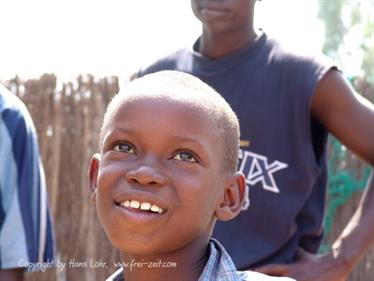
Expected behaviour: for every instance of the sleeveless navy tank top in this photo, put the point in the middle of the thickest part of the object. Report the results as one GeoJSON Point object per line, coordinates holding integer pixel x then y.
{"type": "Point", "coordinates": [282, 147]}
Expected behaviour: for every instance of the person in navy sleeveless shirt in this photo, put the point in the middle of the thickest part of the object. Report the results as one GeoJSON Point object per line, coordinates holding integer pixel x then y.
{"type": "Point", "coordinates": [286, 103]}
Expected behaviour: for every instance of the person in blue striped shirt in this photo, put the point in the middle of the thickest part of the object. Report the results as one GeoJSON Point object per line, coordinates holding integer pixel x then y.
{"type": "Point", "coordinates": [166, 173]}
{"type": "Point", "coordinates": [26, 240]}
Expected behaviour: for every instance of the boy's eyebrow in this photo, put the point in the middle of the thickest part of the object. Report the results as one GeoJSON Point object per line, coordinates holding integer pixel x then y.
{"type": "Point", "coordinates": [111, 130]}
{"type": "Point", "coordinates": [187, 139]}
{"type": "Point", "coordinates": [202, 144]}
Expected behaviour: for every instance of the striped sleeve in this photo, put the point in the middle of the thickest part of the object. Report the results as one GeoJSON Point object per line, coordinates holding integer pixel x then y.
{"type": "Point", "coordinates": [25, 225]}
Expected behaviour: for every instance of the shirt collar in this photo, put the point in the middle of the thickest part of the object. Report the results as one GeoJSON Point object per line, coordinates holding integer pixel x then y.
{"type": "Point", "coordinates": [219, 267]}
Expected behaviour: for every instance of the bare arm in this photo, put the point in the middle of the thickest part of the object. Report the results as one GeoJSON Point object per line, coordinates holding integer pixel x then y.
{"type": "Point", "coordinates": [350, 118]}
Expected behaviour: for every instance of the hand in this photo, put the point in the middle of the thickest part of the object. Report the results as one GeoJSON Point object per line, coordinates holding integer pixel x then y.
{"type": "Point", "coordinates": [309, 267]}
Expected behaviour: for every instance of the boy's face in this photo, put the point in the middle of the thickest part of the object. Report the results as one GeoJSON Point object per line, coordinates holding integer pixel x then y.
{"type": "Point", "coordinates": [164, 156]}
{"type": "Point", "coordinates": [223, 16]}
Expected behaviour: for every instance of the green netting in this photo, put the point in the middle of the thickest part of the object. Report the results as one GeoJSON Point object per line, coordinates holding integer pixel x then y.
{"type": "Point", "coordinates": [343, 181]}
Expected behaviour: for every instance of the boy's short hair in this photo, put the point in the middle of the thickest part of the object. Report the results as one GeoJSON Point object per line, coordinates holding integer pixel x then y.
{"type": "Point", "coordinates": [182, 87]}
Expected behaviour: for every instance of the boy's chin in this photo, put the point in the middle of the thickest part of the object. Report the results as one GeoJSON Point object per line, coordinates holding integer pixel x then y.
{"type": "Point", "coordinates": [140, 248]}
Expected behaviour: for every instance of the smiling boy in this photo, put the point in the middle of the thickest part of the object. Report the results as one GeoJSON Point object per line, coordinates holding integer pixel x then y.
{"type": "Point", "coordinates": [166, 172]}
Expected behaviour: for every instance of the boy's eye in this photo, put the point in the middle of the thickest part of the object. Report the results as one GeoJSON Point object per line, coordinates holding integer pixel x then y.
{"type": "Point", "coordinates": [124, 147]}
{"type": "Point", "coordinates": [185, 156]}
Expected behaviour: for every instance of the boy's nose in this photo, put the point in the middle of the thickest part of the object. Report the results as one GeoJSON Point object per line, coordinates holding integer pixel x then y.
{"type": "Point", "coordinates": [145, 175]}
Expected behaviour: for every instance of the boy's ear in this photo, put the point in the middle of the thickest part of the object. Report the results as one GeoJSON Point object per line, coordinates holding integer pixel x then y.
{"type": "Point", "coordinates": [93, 171]}
{"type": "Point", "coordinates": [233, 197]}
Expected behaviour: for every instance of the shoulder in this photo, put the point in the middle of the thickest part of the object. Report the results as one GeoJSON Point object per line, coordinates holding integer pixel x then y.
{"type": "Point", "coordinates": [13, 112]}
{"type": "Point", "coordinates": [8, 100]}
{"type": "Point", "coordinates": [168, 62]}
{"type": "Point", "coordinates": [256, 276]}
{"type": "Point", "coordinates": [298, 60]}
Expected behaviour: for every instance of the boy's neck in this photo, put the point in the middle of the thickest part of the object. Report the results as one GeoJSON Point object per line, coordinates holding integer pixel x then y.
{"type": "Point", "coordinates": [215, 46]}
{"type": "Point", "coordinates": [185, 264]}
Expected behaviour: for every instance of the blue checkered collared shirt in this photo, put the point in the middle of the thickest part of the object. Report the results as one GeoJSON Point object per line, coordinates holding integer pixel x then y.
{"type": "Point", "coordinates": [219, 267]}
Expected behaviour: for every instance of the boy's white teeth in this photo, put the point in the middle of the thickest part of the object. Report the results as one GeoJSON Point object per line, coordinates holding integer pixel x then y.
{"type": "Point", "coordinates": [134, 204]}
{"type": "Point", "coordinates": [146, 206]}
{"type": "Point", "coordinates": [156, 209]}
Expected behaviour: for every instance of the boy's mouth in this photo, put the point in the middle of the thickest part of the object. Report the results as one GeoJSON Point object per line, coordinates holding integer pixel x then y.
{"type": "Point", "coordinates": [141, 206]}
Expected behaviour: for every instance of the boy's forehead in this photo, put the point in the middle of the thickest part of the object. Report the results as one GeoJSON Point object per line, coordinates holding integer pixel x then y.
{"type": "Point", "coordinates": [160, 103]}
{"type": "Point", "coordinates": [141, 102]}
{"type": "Point", "coordinates": [172, 118]}
{"type": "Point", "coordinates": [138, 104]}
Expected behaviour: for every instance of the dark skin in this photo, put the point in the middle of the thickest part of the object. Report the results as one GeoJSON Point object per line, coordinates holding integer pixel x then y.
{"type": "Point", "coordinates": [14, 274]}
{"type": "Point", "coordinates": [346, 115]}
{"type": "Point", "coordinates": [162, 153]}
{"type": "Point", "coordinates": [226, 26]}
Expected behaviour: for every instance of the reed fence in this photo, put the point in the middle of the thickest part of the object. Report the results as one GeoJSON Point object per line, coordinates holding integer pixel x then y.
{"type": "Point", "coordinates": [67, 117]}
